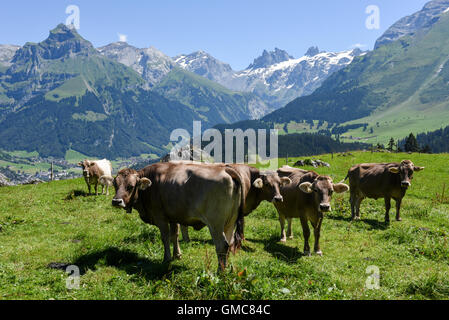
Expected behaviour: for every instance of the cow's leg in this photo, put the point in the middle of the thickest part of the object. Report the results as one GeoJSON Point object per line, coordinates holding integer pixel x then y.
{"type": "Point", "coordinates": [387, 209]}
{"type": "Point", "coordinates": [165, 236]}
{"type": "Point", "coordinates": [221, 247]}
{"type": "Point", "coordinates": [353, 200]}
{"type": "Point", "coordinates": [88, 185]}
{"type": "Point", "coordinates": [306, 233]}
{"type": "Point", "coordinates": [282, 222]}
{"type": "Point", "coordinates": [289, 229]}
{"type": "Point", "coordinates": [398, 209]}
{"type": "Point", "coordinates": [107, 190]}
{"type": "Point", "coordinates": [358, 202]}
{"type": "Point", "coordinates": [102, 190]}
{"type": "Point", "coordinates": [96, 189]}
{"type": "Point", "coordinates": [185, 233]}
{"type": "Point", "coordinates": [174, 237]}
{"type": "Point", "coordinates": [317, 234]}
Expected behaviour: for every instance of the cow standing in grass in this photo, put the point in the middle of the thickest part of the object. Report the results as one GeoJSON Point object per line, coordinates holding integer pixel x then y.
{"type": "Point", "coordinates": [380, 180]}
{"type": "Point", "coordinates": [169, 194]}
{"type": "Point", "coordinates": [308, 198]}
{"type": "Point", "coordinates": [97, 172]}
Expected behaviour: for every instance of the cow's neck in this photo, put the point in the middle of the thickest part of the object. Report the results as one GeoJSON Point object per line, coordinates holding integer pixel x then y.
{"type": "Point", "coordinates": [255, 196]}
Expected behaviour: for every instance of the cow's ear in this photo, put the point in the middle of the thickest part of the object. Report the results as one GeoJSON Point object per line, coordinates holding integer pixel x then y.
{"type": "Point", "coordinates": [285, 181]}
{"type": "Point", "coordinates": [80, 164]}
{"type": "Point", "coordinates": [258, 183]}
{"type": "Point", "coordinates": [306, 187]}
{"type": "Point", "coordinates": [144, 184]}
{"type": "Point", "coordinates": [341, 188]}
{"type": "Point", "coordinates": [417, 169]}
{"type": "Point", "coordinates": [394, 170]}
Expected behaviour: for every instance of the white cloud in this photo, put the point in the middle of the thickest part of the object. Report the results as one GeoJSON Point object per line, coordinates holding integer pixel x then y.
{"type": "Point", "coordinates": [359, 45]}
{"type": "Point", "coordinates": [122, 37]}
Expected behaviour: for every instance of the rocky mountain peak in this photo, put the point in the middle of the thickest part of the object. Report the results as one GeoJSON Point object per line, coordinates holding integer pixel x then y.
{"type": "Point", "coordinates": [205, 65]}
{"type": "Point", "coordinates": [150, 63]}
{"type": "Point", "coordinates": [61, 42]}
{"type": "Point", "coordinates": [270, 58]}
{"type": "Point", "coordinates": [422, 20]}
{"type": "Point", "coordinates": [313, 51]}
{"type": "Point", "coordinates": [63, 33]}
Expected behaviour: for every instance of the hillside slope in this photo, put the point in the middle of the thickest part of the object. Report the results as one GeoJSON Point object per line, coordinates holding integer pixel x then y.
{"type": "Point", "coordinates": [213, 102]}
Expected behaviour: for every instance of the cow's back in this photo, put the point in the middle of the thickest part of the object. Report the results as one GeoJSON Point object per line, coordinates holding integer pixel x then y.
{"type": "Point", "coordinates": [189, 193]}
{"type": "Point", "coordinates": [373, 180]}
{"type": "Point", "coordinates": [104, 168]}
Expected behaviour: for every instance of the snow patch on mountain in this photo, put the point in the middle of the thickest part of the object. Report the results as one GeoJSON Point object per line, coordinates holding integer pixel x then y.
{"type": "Point", "coordinates": [7, 53]}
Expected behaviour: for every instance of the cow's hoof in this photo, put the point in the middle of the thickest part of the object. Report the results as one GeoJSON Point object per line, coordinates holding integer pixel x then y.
{"type": "Point", "coordinates": [283, 240]}
{"type": "Point", "coordinates": [399, 219]}
{"type": "Point", "coordinates": [307, 254]}
{"type": "Point", "coordinates": [178, 257]}
{"type": "Point", "coordinates": [319, 253]}
{"type": "Point", "coordinates": [290, 237]}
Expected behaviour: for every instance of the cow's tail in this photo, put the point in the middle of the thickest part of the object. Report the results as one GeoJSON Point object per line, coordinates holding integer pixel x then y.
{"type": "Point", "coordinates": [347, 177]}
{"type": "Point", "coordinates": [240, 223]}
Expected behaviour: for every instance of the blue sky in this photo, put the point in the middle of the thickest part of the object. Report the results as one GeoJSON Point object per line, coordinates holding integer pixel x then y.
{"type": "Point", "coordinates": [234, 31]}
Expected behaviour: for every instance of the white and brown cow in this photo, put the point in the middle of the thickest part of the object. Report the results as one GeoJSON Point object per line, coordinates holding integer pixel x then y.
{"type": "Point", "coordinates": [169, 194]}
{"type": "Point", "coordinates": [308, 198]}
{"type": "Point", "coordinates": [380, 180]}
{"type": "Point", "coordinates": [97, 172]}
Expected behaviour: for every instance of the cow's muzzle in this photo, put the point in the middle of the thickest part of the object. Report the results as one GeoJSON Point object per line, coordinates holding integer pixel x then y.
{"type": "Point", "coordinates": [278, 199]}
{"type": "Point", "coordinates": [118, 203]}
{"type": "Point", "coordinates": [325, 207]}
{"type": "Point", "coordinates": [406, 184]}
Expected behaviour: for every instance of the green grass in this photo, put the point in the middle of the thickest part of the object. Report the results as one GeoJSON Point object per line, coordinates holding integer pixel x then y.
{"type": "Point", "coordinates": [73, 156]}
{"type": "Point", "coordinates": [120, 256]}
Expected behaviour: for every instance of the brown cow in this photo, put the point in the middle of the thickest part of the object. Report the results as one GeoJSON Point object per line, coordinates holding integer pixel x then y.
{"type": "Point", "coordinates": [97, 172]}
{"type": "Point", "coordinates": [168, 194]}
{"type": "Point", "coordinates": [380, 180]}
{"type": "Point", "coordinates": [308, 197]}
{"type": "Point", "coordinates": [258, 186]}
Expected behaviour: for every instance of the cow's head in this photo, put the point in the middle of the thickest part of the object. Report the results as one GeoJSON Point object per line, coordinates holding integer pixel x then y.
{"type": "Point", "coordinates": [269, 184]}
{"type": "Point", "coordinates": [406, 170]}
{"type": "Point", "coordinates": [322, 189]}
{"type": "Point", "coordinates": [85, 165]}
{"type": "Point", "coordinates": [127, 185]}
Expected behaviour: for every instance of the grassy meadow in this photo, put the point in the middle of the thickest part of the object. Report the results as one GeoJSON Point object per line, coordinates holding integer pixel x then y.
{"type": "Point", "coordinates": [120, 257]}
